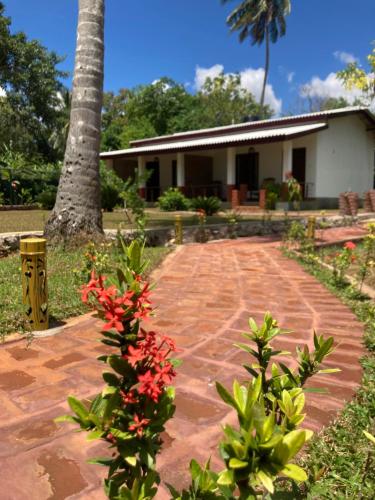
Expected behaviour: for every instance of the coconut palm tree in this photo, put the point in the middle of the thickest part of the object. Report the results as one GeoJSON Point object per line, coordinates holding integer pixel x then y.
{"type": "Point", "coordinates": [77, 210]}
{"type": "Point", "coordinates": [260, 20]}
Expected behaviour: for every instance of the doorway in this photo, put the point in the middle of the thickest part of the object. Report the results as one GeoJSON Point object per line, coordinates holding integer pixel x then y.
{"type": "Point", "coordinates": [299, 166]}
{"type": "Point", "coordinates": [153, 182]}
{"type": "Point", "coordinates": [247, 172]}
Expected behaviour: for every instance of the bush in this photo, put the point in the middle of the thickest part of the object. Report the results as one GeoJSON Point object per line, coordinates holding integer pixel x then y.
{"type": "Point", "coordinates": [111, 188]}
{"type": "Point", "coordinates": [211, 205]}
{"type": "Point", "coordinates": [173, 199]}
{"type": "Point", "coordinates": [47, 198]}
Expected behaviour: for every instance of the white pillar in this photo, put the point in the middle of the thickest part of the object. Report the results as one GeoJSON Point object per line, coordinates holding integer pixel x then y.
{"type": "Point", "coordinates": [141, 170]}
{"type": "Point", "coordinates": [180, 170]}
{"type": "Point", "coordinates": [231, 166]}
{"type": "Point", "coordinates": [287, 158]}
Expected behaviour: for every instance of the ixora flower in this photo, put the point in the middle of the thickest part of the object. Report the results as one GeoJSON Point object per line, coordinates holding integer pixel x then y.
{"type": "Point", "coordinates": [350, 245]}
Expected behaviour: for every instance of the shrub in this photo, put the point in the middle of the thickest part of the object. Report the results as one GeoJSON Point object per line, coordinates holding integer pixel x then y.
{"type": "Point", "coordinates": [271, 199]}
{"type": "Point", "coordinates": [210, 205]}
{"type": "Point", "coordinates": [111, 187]}
{"type": "Point", "coordinates": [173, 199]}
{"type": "Point", "coordinates": [47, 198]}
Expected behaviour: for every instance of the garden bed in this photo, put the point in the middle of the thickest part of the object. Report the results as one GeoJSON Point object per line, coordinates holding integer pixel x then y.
{"type": "Point", "coordinates": [66, 273]}
{"type": "Point", "coordinates": [340, 459]}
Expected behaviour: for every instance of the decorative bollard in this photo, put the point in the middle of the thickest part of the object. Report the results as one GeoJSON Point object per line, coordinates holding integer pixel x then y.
{"type": "Point", "coordinates": [178, 230]}
{"type": "Point", "coordinates": [311, 225]}
{"type": "Point", "coordinates": [34, 282]}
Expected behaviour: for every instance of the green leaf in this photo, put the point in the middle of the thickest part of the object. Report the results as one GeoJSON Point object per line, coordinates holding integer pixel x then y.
{"type": "Point", "coordinates": [294, 472]}
{"type": "Point", "coordinates": [330, 370]}
{"type": "Point", "coordinates": [369, 436]}
{"type": "Point", "coordinates": [78, 407]}
{"type": "Point", "coordinates": [235, 463]}
{"type": "Point", "coordinates": [131, 461]}
{"type": "Point", "coordinates": [266, 481]}
{"type": "Point", "coordinates": [106, 462]}
{"type": "Point", "coordinates": [65, 418]}
{"type": "Point", "coordinates": [226, 478]}
{"type": "Point", "coordinates": [91, 436]}
{"type": "Point", "coordinates": [226, 396]}
{"type": "Point", "coordinates": [120, 365]}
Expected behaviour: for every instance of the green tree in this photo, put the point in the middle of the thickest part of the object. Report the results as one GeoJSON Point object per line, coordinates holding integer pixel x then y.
{"type": "Point", "coordinates": [260, 20]}
{"type": "Point", "coordinates": [78, 210]}
{"type": "Point", "coordinates": [354, 76]}
{"type": "Point", "coordinates": [30, 82]}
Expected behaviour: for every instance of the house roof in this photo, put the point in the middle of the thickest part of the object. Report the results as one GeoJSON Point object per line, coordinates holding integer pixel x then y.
{"type": "Point", "coordinates": [253, 137]}
{"type": "Point", "coordinates": [241, 133]}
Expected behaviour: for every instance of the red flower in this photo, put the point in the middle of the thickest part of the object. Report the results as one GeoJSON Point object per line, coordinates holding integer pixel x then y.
{"type": "Point", "coordinates": [164, 373]}
{"type": "Point", "coordinates": [139, 424]}
{"type": "Point", "coordinates": [128, 398]}
{"type": "Point", "coordinates": [134, 355]}
{"type": "Point", "coordinates": [148, 386]}
{"type": "Point", "coordinates": [350, 245]}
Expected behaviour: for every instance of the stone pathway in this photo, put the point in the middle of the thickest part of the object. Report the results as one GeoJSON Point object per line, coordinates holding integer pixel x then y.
{"type": "Point", "coordinates": [204, 298]}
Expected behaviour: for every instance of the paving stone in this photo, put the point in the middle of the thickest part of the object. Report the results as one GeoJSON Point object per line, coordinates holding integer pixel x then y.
{"type": "Point", "coordinates": [205, 295]}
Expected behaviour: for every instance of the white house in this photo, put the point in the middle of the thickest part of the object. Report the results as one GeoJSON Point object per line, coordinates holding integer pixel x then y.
{"type": "Point", "coordinates": [328, 152]}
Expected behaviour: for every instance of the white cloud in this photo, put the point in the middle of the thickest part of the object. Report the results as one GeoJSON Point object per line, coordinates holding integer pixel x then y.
{"type": "Point", "coordinates": [251, 80]}
{"type": "Point", "coordinates": [345, 57]}
{"type": "Point", "coordinates": [290, 76]}
{"type": "Point", "coordinates": [201, 74]}
{"type": "Point", "coordinates": [331, 86]}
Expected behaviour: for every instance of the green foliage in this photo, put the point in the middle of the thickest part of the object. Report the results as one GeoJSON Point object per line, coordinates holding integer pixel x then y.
{"type": "Point", "coordinates": [111, 188]}
{"type": "Point", "coordinates": [173, 199]}
{"type": "Point", "coordinates": [295, 234]}
{"type": "Point", "coordinates": [209, 205]}
{"type": "Point", "coordinates": [135, 203]}
{"type": "Point", "coordinates": [165, 107]}
{"type": "Point", "coordinates": [22, 181]}
{"type": "Point", "coordinates": [341, 458]}
{"type": "Point", "coordinates": [368, 260]}
{"type": "Point", "coordinates": [131, 411]}
{"type": "Point", "coordinates": [47, 198]}
{"type": "Point", "coordinates": [32, 105]}
{"type": "Point", "coordinates": [269, 410]}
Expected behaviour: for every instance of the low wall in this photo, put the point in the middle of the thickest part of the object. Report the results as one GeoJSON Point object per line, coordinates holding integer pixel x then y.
{"type": "Point", "coordinates": [7, 208]}
{"type": "Point", "coordinates": [164, 236]}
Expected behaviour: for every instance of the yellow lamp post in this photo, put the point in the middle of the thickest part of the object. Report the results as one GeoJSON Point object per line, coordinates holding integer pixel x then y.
{"type": "Point", "coordinates": [178, 230]}
{"type": "Point", "coordinates": [311, 225]}
{"type": "Point", "coordinates": [34, 282]}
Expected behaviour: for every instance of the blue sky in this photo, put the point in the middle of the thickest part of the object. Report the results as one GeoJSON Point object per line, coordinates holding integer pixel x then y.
{"type": "Point", "coordinates": [187, 40]}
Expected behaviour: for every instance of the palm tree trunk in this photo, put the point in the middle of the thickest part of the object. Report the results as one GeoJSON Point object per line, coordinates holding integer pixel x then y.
{"type": "Point", "coordinates": [266, 70]}
{"type": "Point", "coordinates": [77, 209]}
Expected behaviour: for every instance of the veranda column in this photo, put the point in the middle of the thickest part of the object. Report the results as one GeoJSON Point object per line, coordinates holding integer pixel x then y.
{"type": "Point", "coordinates": [141, 173]}
{"type": "Point", "coordinates": [287, 158]}
{"type": "Point", "coordinates": [181, 171]}
{"type": "Point", "coordinates": [231, 172]}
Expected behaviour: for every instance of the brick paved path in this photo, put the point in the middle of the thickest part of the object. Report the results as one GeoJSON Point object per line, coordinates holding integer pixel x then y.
{"type": "Point", "coordinates": [205, 295]}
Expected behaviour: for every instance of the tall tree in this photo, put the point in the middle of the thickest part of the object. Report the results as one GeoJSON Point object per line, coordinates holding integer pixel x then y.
{"type": "Point", "coordinates": [77, 210]}
{"type": "Point", "coordinates": [261, 21]}
{"type": "Point", "coordinates": [30, 87]}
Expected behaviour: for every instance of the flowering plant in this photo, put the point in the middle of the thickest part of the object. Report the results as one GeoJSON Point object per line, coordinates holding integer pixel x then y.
{"type": "Point", "coordinates": [270, 410]}
{"type": "Point", "coordinates": [131, 411]}
{"type": "Point", "coordinates": [342, 260]}
{"type": "Point", "coordinates": [367, 263]}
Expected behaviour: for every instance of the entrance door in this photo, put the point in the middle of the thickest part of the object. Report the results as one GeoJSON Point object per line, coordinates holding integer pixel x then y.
{"type": "Point", "coordinates": [299, 166]}
{"type": "Point", "coordinates": [153, 182]}
{"type": "Point", "coordinates": [247, 171]}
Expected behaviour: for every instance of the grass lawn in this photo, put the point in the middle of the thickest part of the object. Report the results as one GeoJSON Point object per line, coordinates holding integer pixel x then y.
{"type": "Point", "coordinates": [341, 460]}
{"type": "Point", "coordinates": [64, 279]}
